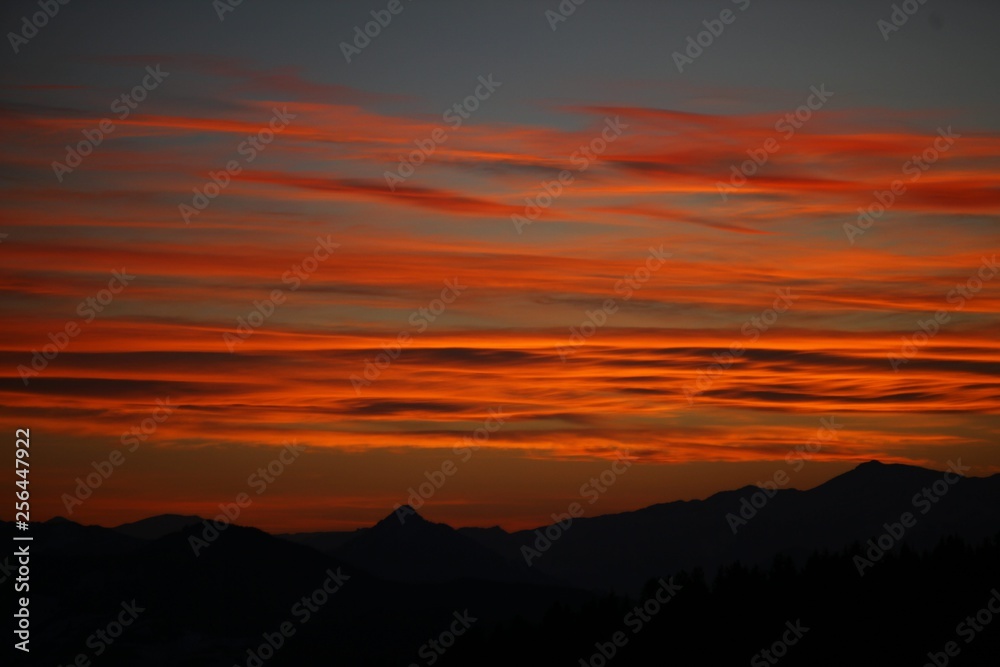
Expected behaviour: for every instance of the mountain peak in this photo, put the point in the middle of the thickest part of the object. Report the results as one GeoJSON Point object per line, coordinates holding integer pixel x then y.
{"type": "Point", "coordinates": [878, 477]}
{"type": "Point", "coordinates": [403, 515]}
{"type": "Point", "coordinates": [59, 520]}
{"type": "Point", "coordinates": [875, 467]}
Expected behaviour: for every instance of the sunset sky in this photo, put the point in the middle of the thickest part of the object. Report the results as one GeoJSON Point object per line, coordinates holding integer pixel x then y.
{"type": "Point", "coordinates": [650, 232]}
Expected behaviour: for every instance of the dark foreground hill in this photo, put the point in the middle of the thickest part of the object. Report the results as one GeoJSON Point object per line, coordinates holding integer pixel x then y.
{"type": "Point", "coordinates": [234, 595]}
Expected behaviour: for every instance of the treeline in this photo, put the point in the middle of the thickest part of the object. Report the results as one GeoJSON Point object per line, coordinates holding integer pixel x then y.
{"type": "Point", "coordinates": [907, 609]}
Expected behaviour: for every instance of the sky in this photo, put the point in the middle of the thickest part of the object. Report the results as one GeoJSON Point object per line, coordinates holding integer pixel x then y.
{"type": "Point", "coordinates": [722, 240]}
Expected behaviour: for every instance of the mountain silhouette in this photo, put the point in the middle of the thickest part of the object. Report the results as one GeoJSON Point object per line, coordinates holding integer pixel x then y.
{"type": "Point", "coordinates": [156, 527]}
{"type": "Point", "coordinates": [60, 533]}
{"type": "Point", "coordinates": [404, 546]}
{"type": "Point", "coordinates": [209, 608]}
{"type": "Point", "coordinates": [407, 577]}
{"type": "Point", "coordinates": [620, 552]}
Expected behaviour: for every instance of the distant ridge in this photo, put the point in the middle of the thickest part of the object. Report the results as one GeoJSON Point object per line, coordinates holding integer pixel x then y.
{"type": "Point", "coordinates": [621, 551]}
{"type": "Point", "coordinates": [404, 546]}
{"type": "Point", "coordinates": [158, 526]}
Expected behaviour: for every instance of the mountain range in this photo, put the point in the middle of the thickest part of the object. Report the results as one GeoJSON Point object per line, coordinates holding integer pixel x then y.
{"type": "Point", "coordinates": [621, 552]}
{"type": "Point", "coordinates": [405, 577]}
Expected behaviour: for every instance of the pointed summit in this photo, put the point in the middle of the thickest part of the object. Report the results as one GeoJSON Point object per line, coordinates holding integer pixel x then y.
{"type": "Point", "coordinates": [401, 518]}
{"type": "Point", "coordinates": [57, 520]}
{"type": "Point", "coordinates": [405, 546]}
